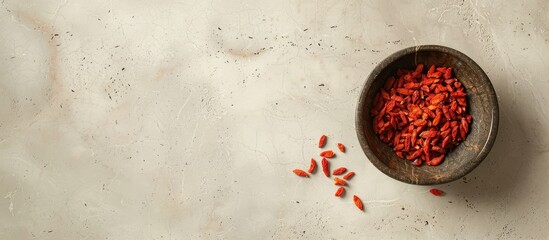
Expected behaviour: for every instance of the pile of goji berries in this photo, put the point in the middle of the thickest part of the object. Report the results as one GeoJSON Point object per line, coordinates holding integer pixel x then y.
{"type": "Point", "coordinates": [421, 115]}
{"type": "Point", "coordinates": [342, 183]}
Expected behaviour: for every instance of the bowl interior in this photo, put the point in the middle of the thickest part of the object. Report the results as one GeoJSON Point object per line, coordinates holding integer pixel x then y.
{"type": "Point", "coordinates": [482, 105]}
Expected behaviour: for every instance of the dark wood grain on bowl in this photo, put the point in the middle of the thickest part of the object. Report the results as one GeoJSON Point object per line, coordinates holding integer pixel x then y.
{"type": "Point", "coordinates": [482, 105]}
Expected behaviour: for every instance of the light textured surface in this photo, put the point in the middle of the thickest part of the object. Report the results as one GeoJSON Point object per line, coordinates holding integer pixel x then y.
{"type": "Point", "coordinates": [183, 119]}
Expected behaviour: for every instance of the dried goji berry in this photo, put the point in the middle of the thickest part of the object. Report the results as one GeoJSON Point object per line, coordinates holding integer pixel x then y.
{"type": "Point", "coordinates": [325, 167]}
{"type": "Point", "coordinates": [339, 171]}
{"type": "Point", "coordinates": [426, 146]}
{"type": "Point", "coordinates": [428, 134]}
{"type": "Point", "coordinates": [300, 173]}
{"type": "Point", "coordinates": [438, 149]}
{"type": "Point", "coordinates": [341, 147]}
{"type": "Point", "coordinates": [358, 203]}
{"type": "Point", "coordinates": [446, 141]}
{"type": "Point", "coordinates": [436, 192]}
{"type": "Point", "coordinates": [339, 181]}
{"type": "Point", "coordinates": [327, 154]}
{"type": "Point", "coordinates": [312, 166]}
{"type": "Point", "coordinates": [455, 130]}
{"type": "Point", "coordinates": [419, 68]}
{"type": "Point", "coordinates": [348, 175]}
{"type": "Point", "coordinates": [415, 155]}
{"type": "Point", "coordinates": [448, 73]}
{"type": "Point", "coordinates": [436, 75]}
{"type": "Point", "coordinates": [340, 191]}
{"type": "Point", "coordinates": [436, 160]}
{"type": "Point", "coordinates": [457, 94]}
{"type": "Point", "coordinates": [431, 71]}
{"type": "Point", "coordinates": [414, 138]}
{"type": "Point", "coordinates": [322, 141]}
{"type": "Point", "coordinates": [404, 91]}
{"type": "Point", "coordinates": [420, 122]}
{"type": "Point", "coordinates": [437, 98]}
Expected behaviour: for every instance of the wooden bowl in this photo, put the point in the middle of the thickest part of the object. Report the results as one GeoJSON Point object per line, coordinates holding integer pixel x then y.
{"type": "Point", "coordinates": [482, 105]}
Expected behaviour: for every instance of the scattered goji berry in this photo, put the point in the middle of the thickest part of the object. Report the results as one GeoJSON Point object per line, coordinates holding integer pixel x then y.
{"type": "Point", "coordinates": [340, 191]}
{"type": "Point", "coordinates": [300, 173]}
{"type": "Point", "coordinates": [339, 171]}
{"type": "Point", "coordinates": [325, 167]}
{"type": "Point", "coordinates": [312, 166]}
{"type": "Point", "coordinates": [322, 141]}
{"type": "Point", "coordinates": [436, 192]}
{"type": "Point", "coordinates": [348, 175]}
{"type": "Point", "coordinates": [358, 203]}
{"type": "Point", "coordinates": [341, 147]}
{"type": "Point", "coordinates": [339, 181]}
{"type": "Point", "coordinates": [327, 154]}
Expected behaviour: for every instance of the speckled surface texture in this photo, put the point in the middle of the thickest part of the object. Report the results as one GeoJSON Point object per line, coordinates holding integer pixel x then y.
{"type": "Point", "coordinates": [137, 119]}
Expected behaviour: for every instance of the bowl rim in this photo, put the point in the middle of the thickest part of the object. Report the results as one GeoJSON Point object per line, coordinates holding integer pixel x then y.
{"type": "Point", "coordinates": [360, 107]}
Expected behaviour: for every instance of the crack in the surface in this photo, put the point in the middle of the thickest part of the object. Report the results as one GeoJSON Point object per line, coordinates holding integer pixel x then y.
{"type": "Point", "coordinates": [6, 7]}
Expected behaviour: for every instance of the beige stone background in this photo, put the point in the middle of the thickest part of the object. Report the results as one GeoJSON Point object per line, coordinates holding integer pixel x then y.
{"type": "Point", "coordinates": [137, 119]}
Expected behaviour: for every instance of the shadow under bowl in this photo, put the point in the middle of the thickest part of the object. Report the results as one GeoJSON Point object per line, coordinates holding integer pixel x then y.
{"type": "Point", "coordinates": [482, 105]}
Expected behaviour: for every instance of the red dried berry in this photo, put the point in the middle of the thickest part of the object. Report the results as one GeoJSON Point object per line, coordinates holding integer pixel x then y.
{"type": "Point", "coordinates": [327, 154]}
{"type": "Point", "coordinates": [322, 141]}
{"type": "Point", "coordinates": [340, 191]}
{"type": "Point", "coordinates": [436, 192]}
